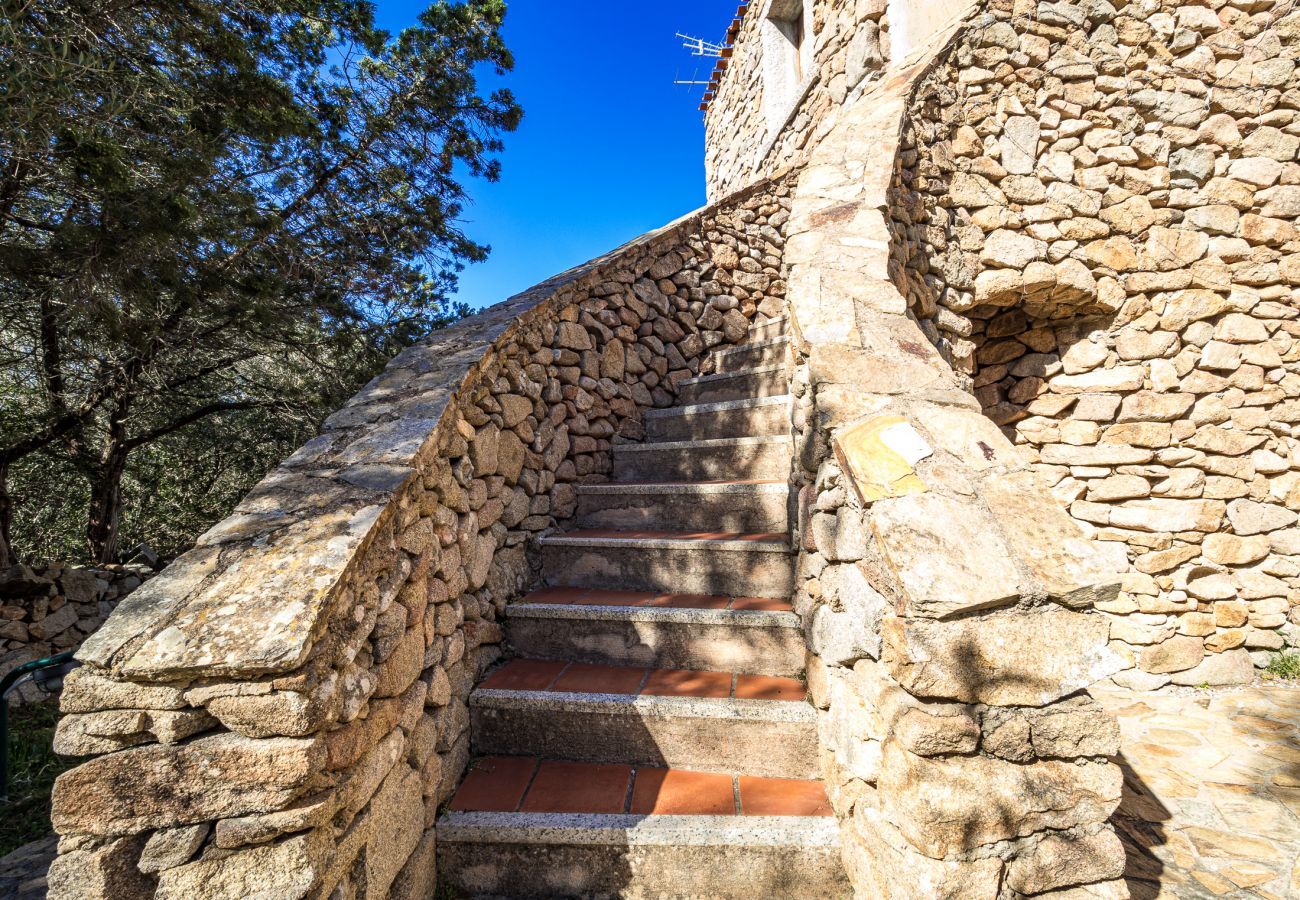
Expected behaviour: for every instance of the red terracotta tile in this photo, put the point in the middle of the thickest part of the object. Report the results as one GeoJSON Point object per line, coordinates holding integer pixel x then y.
{"type": "Point", "coordinates": [672, 792]}
{"type": "Point", "coordinates": [573, 787]}
{"type": "Point", "coordinates": [589, 679]}
{"type": "Point", "coordinates": [688, 601]}
{"type": "Point", "coordinates": [765, 604]}
{"type": "Point", "coordinates": [687, 683]}
{"type": "Point", "coordinates": [494, 784]}
{"type": "Point", "coordinates": [599, 533]}
{"type": "Point", "coordinates": [764, 687]}
{"type": "Point", "coordinates": [782, 797]}
{"type": "Point", "coordinates": [596, 597]}
{"type": "Point", "coordinates": [525, 675]}
{"type": "Point", "coordinates": [557, 595]}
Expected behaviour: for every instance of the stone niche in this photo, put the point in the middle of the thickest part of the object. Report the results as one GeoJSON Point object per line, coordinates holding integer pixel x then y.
{"type": "Point", "coordinates": [1095, 220]}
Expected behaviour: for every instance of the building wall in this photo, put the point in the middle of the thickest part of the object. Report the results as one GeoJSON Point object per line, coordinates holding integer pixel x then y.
{"type": "Point", "coordinates": [767, 114]}
{"type": "Point", "coordinates": [1098, 225]}
{"type": "Point", "coordinates": [751, 131]}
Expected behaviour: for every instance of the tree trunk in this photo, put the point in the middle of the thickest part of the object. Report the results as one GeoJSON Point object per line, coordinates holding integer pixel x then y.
{"type": "Point", "coordinates": [6, 518]}
{"type": "Point", "coordinates": [106, 507]}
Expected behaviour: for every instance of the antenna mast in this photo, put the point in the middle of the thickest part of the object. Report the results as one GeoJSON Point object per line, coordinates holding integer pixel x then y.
{"type": "Point", "coordinates": [700, 47]}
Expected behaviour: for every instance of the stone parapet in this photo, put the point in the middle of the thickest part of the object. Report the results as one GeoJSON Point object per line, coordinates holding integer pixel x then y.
{"type": "Point", "coordinates": [948, 598]}
{"type": "Point", "coordinates": [49, 609]}
{"type": "Point", "coordinates": [282, 710]}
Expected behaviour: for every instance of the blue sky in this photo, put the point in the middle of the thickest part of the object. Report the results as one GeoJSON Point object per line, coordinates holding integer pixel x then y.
{"type": "Point", "coordinates": [609, 146]}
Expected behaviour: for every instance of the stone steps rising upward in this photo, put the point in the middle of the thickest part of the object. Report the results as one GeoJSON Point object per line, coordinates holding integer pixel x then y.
{"type": "Point", "coordinates": [650, 737]}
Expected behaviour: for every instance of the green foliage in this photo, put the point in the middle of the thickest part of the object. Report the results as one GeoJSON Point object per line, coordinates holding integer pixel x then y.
{"type": "Point", "coordinates": [1285, 665]}
{"type": "Point", "coordinates": [33, 766]}
{"type": "Point", "coordinates": [216, 220]}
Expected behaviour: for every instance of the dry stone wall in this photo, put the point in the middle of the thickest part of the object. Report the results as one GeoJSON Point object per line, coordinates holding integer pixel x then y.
{"type": "Point", "coordinates": [849, 47]}
{"type": "Point", "coordinates": [281, 712]}
{"type": "Point", "coordinates": [1096, 222]}
{"type": "Point", "coordinates": [949, 600]}
{"type": "Point", "coordinates": [48, 609]}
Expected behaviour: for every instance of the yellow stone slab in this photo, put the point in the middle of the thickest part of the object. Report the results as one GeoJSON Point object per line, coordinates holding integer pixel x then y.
{"type": "Point", "coordinates": [878, 455]}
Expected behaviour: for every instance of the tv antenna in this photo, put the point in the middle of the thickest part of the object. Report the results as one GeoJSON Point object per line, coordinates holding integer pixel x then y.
{"type": "Point", "coordinates": [690, 81]}
{"type": "Point", "coordinates": [700, 47]}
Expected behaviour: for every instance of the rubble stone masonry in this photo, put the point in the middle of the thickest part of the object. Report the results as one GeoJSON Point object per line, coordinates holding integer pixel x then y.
{"type": "Point", "coordinates": [1095, 219]}
{"type": "Point", "coordinates": [282, 711]}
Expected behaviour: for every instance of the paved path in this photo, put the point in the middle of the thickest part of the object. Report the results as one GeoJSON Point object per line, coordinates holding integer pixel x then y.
{"type": "Point", "coordinates": [22, 873]}
{"type": "Point", "coordinates": [1212, 792]}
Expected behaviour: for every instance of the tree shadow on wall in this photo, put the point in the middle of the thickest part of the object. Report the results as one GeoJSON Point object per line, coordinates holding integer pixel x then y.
{"type": "Point", "coordinates": [1139, 820]}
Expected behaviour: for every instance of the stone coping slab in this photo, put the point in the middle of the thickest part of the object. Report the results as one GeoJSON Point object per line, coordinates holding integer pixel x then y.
{"type": "Point", "coordinates": [648, 706]}
{"type": "Point", "coordinates": [628, 830]}
{"type": "Point", "coordinates": [702, 409]}
{"type": "Point", "coordinates": [766, 545]}
{"type": "Point", "coordinates": [687, 487]}
{"type": "Point", "coordinates": [741, 618]}
{"type": "Point", "coordinates": [703, 444]}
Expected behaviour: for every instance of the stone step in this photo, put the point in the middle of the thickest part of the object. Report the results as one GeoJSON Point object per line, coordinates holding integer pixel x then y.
{"type": "Point", "coordinates": [748, 636]}
{"type": "Point", "coordinates": [537, 855]}
{"type": "Point", "coordinates": [765, 381]}
{"type": "Point", "coordinates": [646, 717]}
{"type": "Point", "coordinates": [756, 564]}
{"type": "Point", "coordinates": [746, 506]}
{"type": "Point", "coordinates": [764, 456]}
{"type": "Point", "coordinates": [772, 328]}
{"type": "Point", "coordinates": [768, 352]}
{"type": "Point", "coordinates": [728, 419]}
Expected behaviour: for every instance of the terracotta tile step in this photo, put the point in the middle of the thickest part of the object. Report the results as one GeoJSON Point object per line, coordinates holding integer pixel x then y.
{"type": "Point", "coordinates": [577, 596]}
{"type": "Point", "coordinates": [661, 718]}
{"type": "Point", "coordinates": [690, 507]}
{"type": "Point", "coordinates": [570, 677]}
{"type": "Point", "coordinates": [761, 381]}
{"type": "Point", "coordinates": [648, 630]}
{"type": "Point", "coordinates": [670, 537]}
{"type": "Point", "coordinates": [530, 785]}
{"type": "Point", "coordinates": [744, 457]}
{"type": "Point", "coordinates": [740, 564]}
{"type": "Point", "coordinates": [722, 857]}
{"type": "Point", "coordinates": [745, 417]}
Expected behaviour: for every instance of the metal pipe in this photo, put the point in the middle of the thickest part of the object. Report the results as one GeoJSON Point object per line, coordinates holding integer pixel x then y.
{"type": "Point", "coordinates": [7, 684]}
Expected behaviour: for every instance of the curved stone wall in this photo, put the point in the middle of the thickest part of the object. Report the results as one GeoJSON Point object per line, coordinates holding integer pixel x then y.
{"type": "Point", "coordinates": [282, 710]}
{"type": "Point", "coordinates": [1097, 224]}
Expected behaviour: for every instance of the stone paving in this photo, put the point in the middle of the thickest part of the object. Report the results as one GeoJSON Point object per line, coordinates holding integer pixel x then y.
{"type": "Point", "coordinates": [1212, 791]}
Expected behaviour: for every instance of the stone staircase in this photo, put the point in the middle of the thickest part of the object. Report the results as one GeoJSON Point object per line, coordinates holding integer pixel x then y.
{"type": "Point", "coordinates": [649, 737]}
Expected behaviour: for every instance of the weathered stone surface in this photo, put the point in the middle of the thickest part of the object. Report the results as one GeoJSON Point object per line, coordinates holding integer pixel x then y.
{"type": "Point", "coordinates": [945, 805]}
{"type": "Point", "coordinates": [172, 847]}
{"type": "Point", "coordinates": [1007, 658]}
{"type": "Point", "coordinates": [946, 554]}
{"type": "Point", "coordinates": [1249, 517]}
{"type": "Point", "coordinates": [882, 863]}
{"type": "Point", "coordinates": [1072, 569]}
{"type": "Point", "coordinates": [80, 734]}
{"type": "Point", "coordinates": [160, 786]}
{"type": "Point", "coordinates": [287, 871]}
{"type": "Point", "coordinates": [1059, 861]}
{"type": "Point", "coordinates": [1075, 727]}
{"type": "Point", "coordinates": [1174, 655]}
{"type": "Point", "coordinates": [879, 456]}
{"type": "Point", "coordinates": [397, 820]}
{"type": "Point", "coordinates": [847, 628]}
{"type": "Point", "coordinates": [1230, 667]}
{"type": "Point", "coordinates": [105, 872]}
